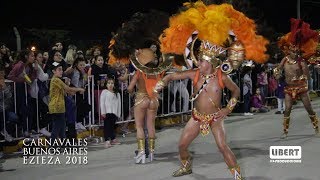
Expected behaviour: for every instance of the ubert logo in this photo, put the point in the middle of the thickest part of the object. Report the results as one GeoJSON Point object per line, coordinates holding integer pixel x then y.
{"type": "Point", "coordinates": [285, 154]}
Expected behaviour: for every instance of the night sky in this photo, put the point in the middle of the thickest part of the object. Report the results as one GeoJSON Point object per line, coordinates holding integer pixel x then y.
{"type": "Point", "coordinates": [96, 19]}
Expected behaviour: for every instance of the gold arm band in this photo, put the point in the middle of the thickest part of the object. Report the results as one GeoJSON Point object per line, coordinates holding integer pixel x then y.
{"type": "Point", "coordinates": [232, 103]}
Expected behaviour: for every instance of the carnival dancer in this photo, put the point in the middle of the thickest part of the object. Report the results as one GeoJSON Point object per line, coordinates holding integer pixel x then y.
{"type": "Point", "coordinates": [134, 40]}
{"type": "Point", "coordinates": [210, 44]}
{"type": "Point", "coordinates": [297, 45]}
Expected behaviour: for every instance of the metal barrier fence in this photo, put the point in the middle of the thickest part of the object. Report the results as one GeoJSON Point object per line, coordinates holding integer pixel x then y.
{"type": "Point", "coordinates": [93, 119]}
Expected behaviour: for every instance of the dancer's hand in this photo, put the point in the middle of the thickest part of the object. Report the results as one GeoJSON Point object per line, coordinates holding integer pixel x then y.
{"type": "Point", "coordinates": [159, 86]}
{"type": "Point", "coordinates": [220, 115]}
{"type": "Point", "coordinates": [130, 91]}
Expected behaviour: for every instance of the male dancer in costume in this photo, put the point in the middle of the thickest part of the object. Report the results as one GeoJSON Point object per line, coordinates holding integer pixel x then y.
{"type": "Point", "coordinates": [213, 25]}
{"type": "Point", "coordinates": [300, 43]}
{"type": "Point", "coordinates": [134, 40]}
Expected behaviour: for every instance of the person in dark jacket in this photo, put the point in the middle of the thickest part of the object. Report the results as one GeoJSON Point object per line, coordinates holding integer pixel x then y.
{"type": "Point", "coordinates": [280, 95]}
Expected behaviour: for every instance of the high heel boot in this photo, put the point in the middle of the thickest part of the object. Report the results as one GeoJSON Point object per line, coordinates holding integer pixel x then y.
{"type": "Point", "coordinates": [185, 168]}
{"type": "Point", "coordinates": [286, 122]}
{"type": "Point", "coordinates": [141, 155]}
{"type": "Point", "coordinates": [314, 121]}
{"type": "Point", "coordinates": [235, 171]}
{"type": "Point", "coordinates": [151, 148]}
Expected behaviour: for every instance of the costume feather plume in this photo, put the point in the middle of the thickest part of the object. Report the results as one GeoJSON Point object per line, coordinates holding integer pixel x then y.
{"type": "Point", "coordinates": [213, 23]}
{"type": "Point", "coordinates": [141, 29]}
{"type": "Point", "coordinates": [300, 36]}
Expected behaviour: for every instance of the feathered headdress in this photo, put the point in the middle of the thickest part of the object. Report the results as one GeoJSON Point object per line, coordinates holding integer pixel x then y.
{"type": "Point", "coordinates": [138, 32]}
{"type": "Point", "coordinates": [141, 31]}
{"type": "Point", "coordinates": [301, 37]}
{"type": "Point", "coordinates": [213, 24]}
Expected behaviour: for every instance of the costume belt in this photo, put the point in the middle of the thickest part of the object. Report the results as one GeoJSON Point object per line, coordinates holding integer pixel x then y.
{"type": "Point", "coordinates": [204, 119]}
{"type": "Point", "coordinates": [293, 91]}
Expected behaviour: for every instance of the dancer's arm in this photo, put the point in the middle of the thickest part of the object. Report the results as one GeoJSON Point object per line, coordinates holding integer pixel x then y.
{"type": "Point", "coordinates": [277, 71]}
{"type": "Point", "coordinates": [174, 76]}
{"type": "Point", "coordinates": [235, 93]}
{"type": "Point", "coordinates": [305, 69]}
{"type": "Point", "coordinates": [133, 82]}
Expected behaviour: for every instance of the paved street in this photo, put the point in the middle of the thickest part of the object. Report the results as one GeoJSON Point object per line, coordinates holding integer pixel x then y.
{"type": "Point", "coordinates": [249, 137]}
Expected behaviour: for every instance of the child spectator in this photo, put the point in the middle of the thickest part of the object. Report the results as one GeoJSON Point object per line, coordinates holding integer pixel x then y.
{"type": "Point", "coordinates": [99, 70]}
{"type": "Point", "coordinates": [280, 95]}
{"type": "Point", "coordinates": [110, 105]}
{"type": "Point", "coordinates": [257, 102]}
{"type": "Point", "coordinates": [57, 103]}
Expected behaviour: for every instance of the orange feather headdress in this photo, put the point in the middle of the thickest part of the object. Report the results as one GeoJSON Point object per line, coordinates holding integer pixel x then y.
{"type": "Point", "coordinates": [213, 24]}
{"type": "Point", "coordinates": [301, 38]}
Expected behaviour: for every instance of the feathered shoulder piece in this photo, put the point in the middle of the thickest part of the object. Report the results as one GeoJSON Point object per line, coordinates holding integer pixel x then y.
{"type": "Point", "coordinates": [213, 23]}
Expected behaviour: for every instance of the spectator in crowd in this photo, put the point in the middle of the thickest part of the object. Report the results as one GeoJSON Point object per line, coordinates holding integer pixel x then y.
{"type": "Point", "coordinates": [257, 102]}
{"type": "Point", "coordinates": [110, 105]}
{"type": "Point", "coordinates": [71, 112]}
{"type": "Point", "coordinates": [23, 71]}
{"type": "Point", "coordinates": [272, 85]}
{"type": "Point", "coordinates": [45, 58]}
{"type": "Point", "coordinates": [71, 54]}
{"type": "Point", "coordinates": [6, 58]}
{"type": "Point", "coordinates": [58, 47]}
{"type": "Point", "coordinates": [56, 57]}
{"type": "Point", "coordinates": [57, 102]}
{"type": "Point", "coordinates": [262, 79]}
{"type": "Point", "coordinates": [39, 92]}
{"type": "Point", "coordinates": [40, 59]}
{"type": "Point", "coordinates": [310, 80]}
{"type": "Point", "coordinates": [121, 67]}
{"type": "Point", "coordinates": [280, 95]}
{"type": "Point", "coordinates": [247, 89]}
{"type": "Point", "coordinates": [79, 79]}
{"type": "Point", "coordinates": [79, 54]}
{"type": "Point", "coordinates": [6, 107]}
{"type": "Point", "coordinates": [99, 70]}
{"type": "Point", "coordinates": [96, 51]}
{"type": "Point", "coordinates": [88, 57]}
